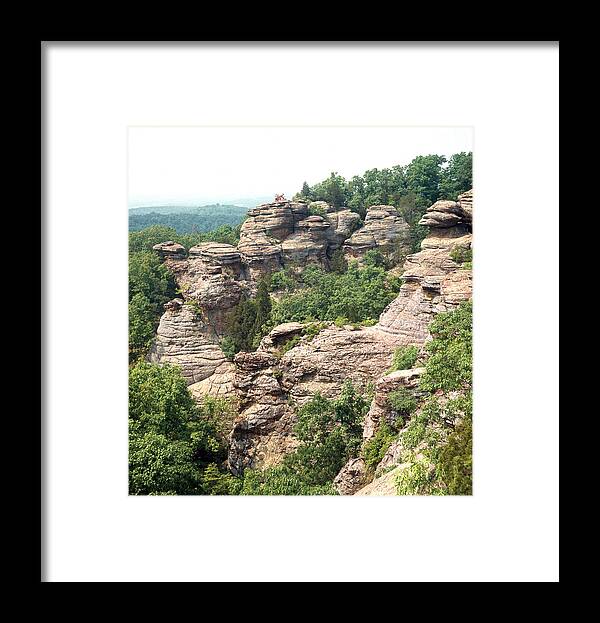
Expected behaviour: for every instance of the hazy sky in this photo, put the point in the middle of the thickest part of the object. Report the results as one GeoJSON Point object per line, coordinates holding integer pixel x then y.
{"type": "Point", "coordinates": [195, 165]}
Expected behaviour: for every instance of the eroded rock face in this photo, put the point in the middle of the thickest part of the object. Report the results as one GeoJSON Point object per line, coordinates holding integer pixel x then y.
{"type": "Point", "coordinates": [181, 339]}
{"type": "Point", "coordinates": [308, 243]}
{"type": "Point", "coordinates": [380, 408]}
{"type": "Point", "coordinates": [384, 229]}
{"type": "Point", "coordinates": [262, 434]}
{"type": "Point", "coordinates": [332, 357]}
{"type": "Point", "coordinates": [351, 477]}
{"type": "Point", "coordinates": [342, 224]}
{"type": "Point", "coordinates": [215, 279]}
{"type": "Point", "coordinates": [434, 282]}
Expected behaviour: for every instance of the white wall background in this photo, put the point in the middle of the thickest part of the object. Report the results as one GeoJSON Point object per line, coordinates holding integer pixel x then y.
{"type": "Point", "coordinates": [508, 530]}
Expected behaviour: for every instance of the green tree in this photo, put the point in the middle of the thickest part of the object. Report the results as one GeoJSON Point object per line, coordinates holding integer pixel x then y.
{"type": "Point", "coordinates": [246, 321]}
{"type": "Point", "coordinates": [423, 176]}
{"type": "Point", "coordinates": [171, 439]}
{"type": "Point", "coordinates": [145, 239]}
{"type": "Point", "coordinates": [450, 363]}
{"type": "Point", "coordinates": [457, 176]}
{"type": "Point", "coordinates": [141, 326]}
{"type": "Point", "coordinates": [330, 432]}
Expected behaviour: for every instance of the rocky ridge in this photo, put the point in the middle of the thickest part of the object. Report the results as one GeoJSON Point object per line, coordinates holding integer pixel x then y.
{"type": "Point", "coordinates": [270, 386]}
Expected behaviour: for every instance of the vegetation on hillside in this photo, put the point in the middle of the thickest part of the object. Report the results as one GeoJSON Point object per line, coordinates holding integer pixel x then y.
{"type": "Point", "coordinates": [187, 220]}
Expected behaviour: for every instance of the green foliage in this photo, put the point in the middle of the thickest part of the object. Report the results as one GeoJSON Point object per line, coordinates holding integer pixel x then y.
{"type": "Point", "coordinates": [450, 365]}
{"type": "Point", "coordinates": [215, 482]}
{"type": "Point", "coordinates": [330, 432]}
{"type": "Point", "coordinates": [374, 257]}
{"type": "Point", "coordinates": [314, 210]}
{"type": "Point", "coordinates": [282, 280]}
{"type": "Point", "coordinates": [417, 479]}
{"type": "Point", "coordinates": [402, 401]}
{"type": "Point", "coordinates": [245, 324]}
{"type": "Point", "coordinates": [145, 239]}
{"type": "Point", "coordinates": [150, 278]}
{"type": "Point", "coordinates": [151, 285]}
{"type": "Point", "coordinates": [457, 177]}
{"type": "Point", "coordinates": [455, 465]}
{"type": "Point", "coordinates": [460, 255]}
{"type": "Point", "coordinates": [404, 358]}
{"type": "Point", "coordinates": [338, 263]}
{"type": "Point", "coordinates": [279, 480]}
{"type": "Point", "coordinates": [312, 329]}
{"type": "Point", "coordinates": [228, 346]}
{"type": "Point", "coordinates": [225, 234]}
{"type": "Point", "coordinates": [333, 190]}
{"type": "Point", "coordinates": [170, 439]}
{"type": "Point", "coordinates": [159, 465]}
{"type": "Point", "coordinates": [358, 294]}
{"type": "Point", "coordinates": [420, 424]}
{"type": "Point", "coordinates": [375, 448]}
{"type": "Point", "coordinates": [411, 188]}
{"type": "Point", "coordinates": [142, 324]}
{"type": "Point", "coordinates": [293, 341]}
{"type": "Point", "coordinates": [438, 437]}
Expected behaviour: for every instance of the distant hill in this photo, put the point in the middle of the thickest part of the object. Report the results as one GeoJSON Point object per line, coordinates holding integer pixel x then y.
{"type": "Point", "coordinates": [186, 219]}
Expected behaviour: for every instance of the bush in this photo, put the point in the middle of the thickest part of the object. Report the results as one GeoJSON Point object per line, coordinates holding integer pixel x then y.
{"type": "Point", "coordinates": [277, 481]}
{"type": "Point", "coordinates": [450, 366]}
{"type": "Point", "coordinates": [375, 448]}
{"type": "Point", "coordinates": [404, 358]}
{"type": "Point", "coordinates": [417, 479]}
{"type": "Point", "coordinates": [338, 263]}
{"type": "Point", "coordinates": [374, 257]}
{"type": "Point", "coordinates": [456, 460]}
{"type": "Point", "coordinates": [460, 255]}
{"type": "Point", "coordinates": [293, 341]}
{"type": "Point", "coordinates": [247, 323]}
{"type": "Point", "coordinates": [358, 294]}
{"type": "Point", "coordinates": [282, 281]}
{"type": "Point", "coordinates": [330, 433]}
{"type": "Point", "coordinates": [402, 402]}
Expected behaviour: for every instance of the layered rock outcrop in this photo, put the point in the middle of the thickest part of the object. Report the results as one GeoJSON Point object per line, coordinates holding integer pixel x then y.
{"type": "Point", "coordinates": [380, 408]}
{"type": "Point", "coordinates": [434, 282]}
{"type": "Point", "coordinates": [181, 339]}
{"type": "Point", "coordinates": [384, 229]}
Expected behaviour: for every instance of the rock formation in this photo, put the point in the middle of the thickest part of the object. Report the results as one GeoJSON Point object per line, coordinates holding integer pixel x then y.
{"type": "Point", "coordinates": [181, 339]}
{"type": "Point", "coordinates": [379, 409]}
{"type": "Point", "coordinates": [434, 283]}
{"type": "Point", "coordinates": [384, 229]}
{"type": "Point", "coordinates": [269, 386]}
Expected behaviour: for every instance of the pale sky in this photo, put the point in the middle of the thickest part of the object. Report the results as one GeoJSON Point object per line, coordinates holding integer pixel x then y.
{"type": "Point", "coordinates": [198, 165]}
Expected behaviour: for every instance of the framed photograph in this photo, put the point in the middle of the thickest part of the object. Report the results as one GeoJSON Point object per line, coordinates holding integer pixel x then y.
{"type": "Point", "coordinates": [283, 316]}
